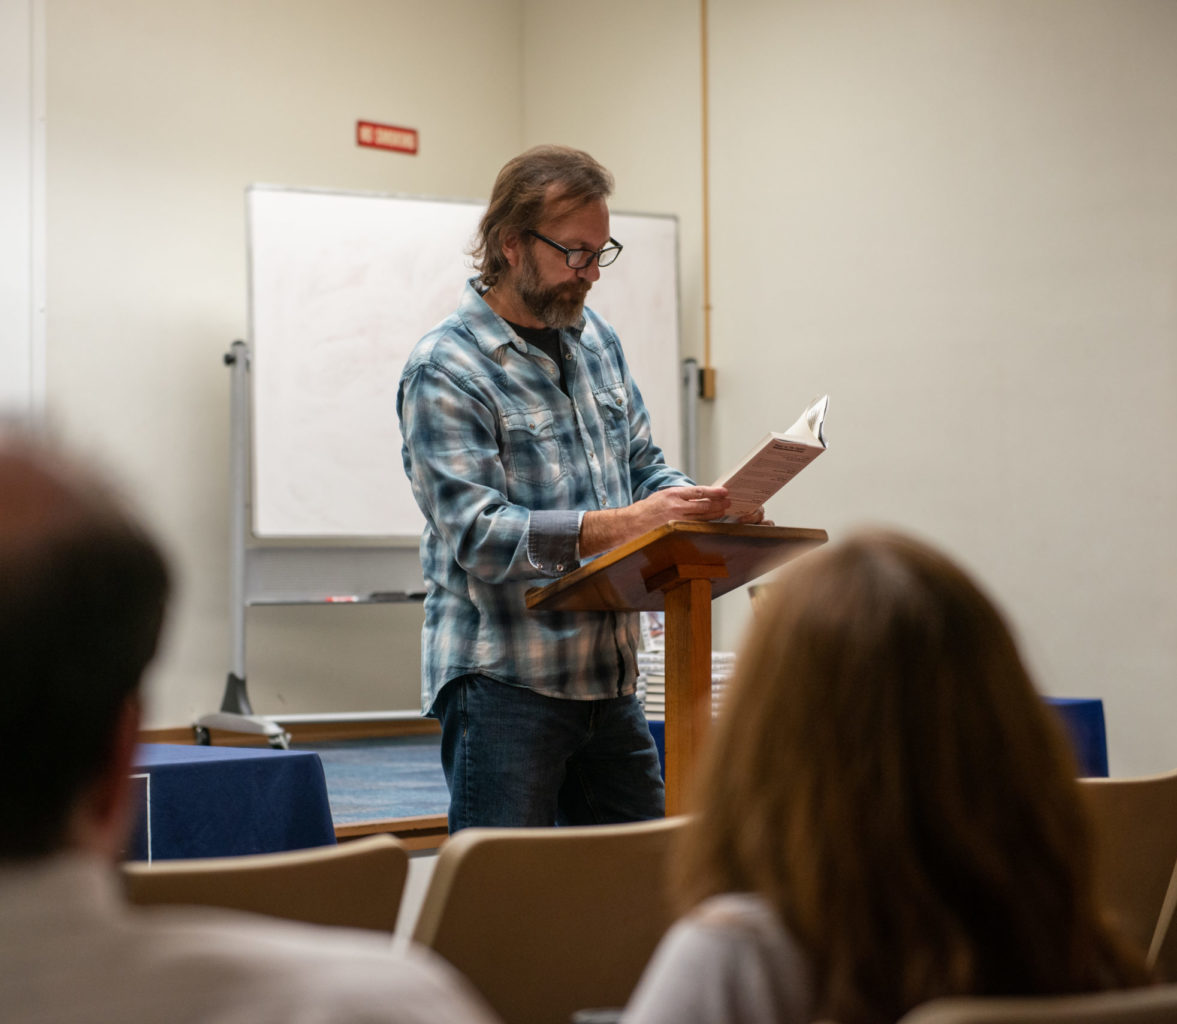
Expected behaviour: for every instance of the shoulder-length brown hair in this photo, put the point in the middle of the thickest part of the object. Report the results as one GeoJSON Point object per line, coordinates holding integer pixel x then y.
{"type": "Point", "coordinates": [520, 197]}
{"type": "Point", "coordinates": [886, 776]}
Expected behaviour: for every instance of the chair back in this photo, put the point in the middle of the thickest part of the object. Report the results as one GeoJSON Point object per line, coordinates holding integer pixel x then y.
{"type": "Point", "coordinates": [1136, 848]}
{"type": "Point", "coordinates": [1154, 1005]}
{"type": "Point", "coordinates": [549, 921]}
{"type": "Point", "coordinates": [1162, 954]}
{"type": "Point", "coordinates": [357, 884]}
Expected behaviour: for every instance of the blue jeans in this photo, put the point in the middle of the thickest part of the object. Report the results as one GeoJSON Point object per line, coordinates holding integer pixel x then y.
{"type": "Point", "coordinates": [515, 757]}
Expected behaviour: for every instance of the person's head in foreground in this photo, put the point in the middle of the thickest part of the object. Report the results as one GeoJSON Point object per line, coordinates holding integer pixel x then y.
{"type": "Point", "coordinates": [82, 595]}
{"type": "Point", "coordinates": [887, 778]}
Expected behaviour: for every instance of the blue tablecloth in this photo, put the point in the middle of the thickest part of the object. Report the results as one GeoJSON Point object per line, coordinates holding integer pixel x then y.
{"type": "Point", "coordinates": [223, 801]}
{"type": "Point", "coordinates": [1082, 717]}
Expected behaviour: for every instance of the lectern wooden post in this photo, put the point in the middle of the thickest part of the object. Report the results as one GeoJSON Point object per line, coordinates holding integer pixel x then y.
{"type": "Point", "coordinates": [678, 568]}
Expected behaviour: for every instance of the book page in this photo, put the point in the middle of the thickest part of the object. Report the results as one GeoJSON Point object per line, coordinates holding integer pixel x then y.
{"type": "Point", "coordinates": [810, 423]}
{"type": "Point", "coordinates": [775, 461]}
{"type": "Point", "coordinates": [775, 464]}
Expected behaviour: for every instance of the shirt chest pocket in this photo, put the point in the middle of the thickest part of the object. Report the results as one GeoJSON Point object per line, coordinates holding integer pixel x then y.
{"type": "Point", "coordinates": [532, 452]}
{"type": "Point", "coordinates": [613, 407]}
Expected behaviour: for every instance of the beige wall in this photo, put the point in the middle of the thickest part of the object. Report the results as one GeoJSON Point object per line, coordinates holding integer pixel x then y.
{"type": "Point", "coordinates": [160, 114]}
{"type": "Point", "coordinates": [636, 105]}
{"type": "Point", "coordinates": [22, 208]}
{"type": "Point", "coordinates": [960, 219]}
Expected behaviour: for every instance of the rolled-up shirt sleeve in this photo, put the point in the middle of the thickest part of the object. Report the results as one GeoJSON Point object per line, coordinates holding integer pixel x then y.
{"type": "Point", "coordinates": [552, 540]}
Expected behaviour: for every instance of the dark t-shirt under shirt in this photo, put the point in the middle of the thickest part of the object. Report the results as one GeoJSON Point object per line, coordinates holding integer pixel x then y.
{"type": "Point", "coordinates": [547, 340]}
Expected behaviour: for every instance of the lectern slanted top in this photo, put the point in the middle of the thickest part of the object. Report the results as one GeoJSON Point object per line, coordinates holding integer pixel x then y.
{"type": "Point", "coordinates": [678, 568]}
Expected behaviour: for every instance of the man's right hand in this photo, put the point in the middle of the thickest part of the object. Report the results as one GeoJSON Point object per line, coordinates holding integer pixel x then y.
{"type": "Point", "coordinates": [600, 531]}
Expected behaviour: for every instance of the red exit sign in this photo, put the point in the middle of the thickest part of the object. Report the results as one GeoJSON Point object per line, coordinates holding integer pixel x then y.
{"type": "Point", "coordinates": [386, 136]}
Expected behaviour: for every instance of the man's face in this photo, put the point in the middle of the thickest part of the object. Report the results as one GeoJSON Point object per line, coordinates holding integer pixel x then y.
{"type": "Point", "coordinates": [549, 289]}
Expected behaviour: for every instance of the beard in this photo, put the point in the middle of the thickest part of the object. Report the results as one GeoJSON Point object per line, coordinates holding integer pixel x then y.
{"type": "Point", "coordinates": [559, 305]}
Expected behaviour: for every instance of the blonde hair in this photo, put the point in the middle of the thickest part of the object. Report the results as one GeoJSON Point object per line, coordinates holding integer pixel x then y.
{"type": "Point", "coordinates": [886, 776]}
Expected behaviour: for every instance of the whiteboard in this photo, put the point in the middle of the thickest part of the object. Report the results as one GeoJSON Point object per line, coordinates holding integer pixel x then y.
{"type": "Point", "coordinates": [342, 286]}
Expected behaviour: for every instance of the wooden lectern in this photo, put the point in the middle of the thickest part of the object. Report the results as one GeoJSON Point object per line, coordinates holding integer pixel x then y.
{"type": "Point", "coordinates": [678, 568]}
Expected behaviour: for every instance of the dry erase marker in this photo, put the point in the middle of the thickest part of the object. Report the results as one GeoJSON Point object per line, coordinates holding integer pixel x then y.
{"type": "Point", "coordinates": [342, 599]}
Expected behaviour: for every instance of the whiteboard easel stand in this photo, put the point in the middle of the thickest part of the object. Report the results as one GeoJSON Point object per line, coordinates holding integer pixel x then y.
{"type": "Point", "coordinates": [236, 714]}
{"type": "Point", "coordinates": [261, 574]}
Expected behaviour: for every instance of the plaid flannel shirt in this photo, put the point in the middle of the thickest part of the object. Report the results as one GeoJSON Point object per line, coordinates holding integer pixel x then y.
{"type": "Point", "coordinates": [503, 464]}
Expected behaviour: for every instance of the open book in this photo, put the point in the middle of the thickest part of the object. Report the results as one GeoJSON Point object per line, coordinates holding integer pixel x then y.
{"type": "Point", "coordinates": [775, 460]}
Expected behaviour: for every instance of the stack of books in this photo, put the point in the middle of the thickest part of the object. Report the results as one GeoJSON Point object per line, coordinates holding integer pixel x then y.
{"type": "Point", "coordinates": [651, 682]}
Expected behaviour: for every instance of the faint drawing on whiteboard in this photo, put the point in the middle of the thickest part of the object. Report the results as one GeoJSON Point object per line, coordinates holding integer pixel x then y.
{"type": "Point", "coordinates": [342, 286]}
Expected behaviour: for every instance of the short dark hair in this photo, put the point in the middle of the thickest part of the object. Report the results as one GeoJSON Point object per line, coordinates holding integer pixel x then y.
{"type": "Point", "coordinates": [521, 194]}
{"type": "Point", "coordinates": [82, 595]}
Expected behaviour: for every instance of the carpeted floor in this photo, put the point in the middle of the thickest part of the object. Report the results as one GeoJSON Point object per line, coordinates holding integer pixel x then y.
{"type": "Point", "coordinates": [378, 779]}
{"type": "Point", "coordinates": [381, 779]}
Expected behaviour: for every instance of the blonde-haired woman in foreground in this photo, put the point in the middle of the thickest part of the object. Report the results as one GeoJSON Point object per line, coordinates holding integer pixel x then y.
{"type": "Point", "coordinates": [889, 813]}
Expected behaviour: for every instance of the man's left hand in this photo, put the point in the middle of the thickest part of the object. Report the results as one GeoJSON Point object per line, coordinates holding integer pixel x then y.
{"type": "Point", "coordinates": [756, 516]}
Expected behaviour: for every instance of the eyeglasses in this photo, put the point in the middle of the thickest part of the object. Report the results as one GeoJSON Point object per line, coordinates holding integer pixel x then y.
{"type": "Point", "coordinates": [579, 259]}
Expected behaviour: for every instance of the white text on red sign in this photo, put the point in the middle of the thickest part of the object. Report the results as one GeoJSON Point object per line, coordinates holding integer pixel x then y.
{"type": "Point", "coordinates": [386, 136]}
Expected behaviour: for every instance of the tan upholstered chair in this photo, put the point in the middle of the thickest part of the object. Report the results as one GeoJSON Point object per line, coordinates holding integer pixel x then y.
{"type": "Point", "coordinates": [1136, 846]}
{"type": "Point", "coordinates": [548, 921]}
{"type": "Point", "coordinates": [1157, 1005]}
{"type": "Point", "coordinates": [358, 884]}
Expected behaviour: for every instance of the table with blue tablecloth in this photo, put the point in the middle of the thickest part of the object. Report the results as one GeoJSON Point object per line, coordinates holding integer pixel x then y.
{"type": "Point", "coordinates": [201, 801]}
{"type": "Point", "coordinates": [1082, 717]}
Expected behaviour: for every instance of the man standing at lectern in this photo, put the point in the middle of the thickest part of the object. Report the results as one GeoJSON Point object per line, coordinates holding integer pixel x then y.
{"type": "Point", "coordinates": [529, 449]}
